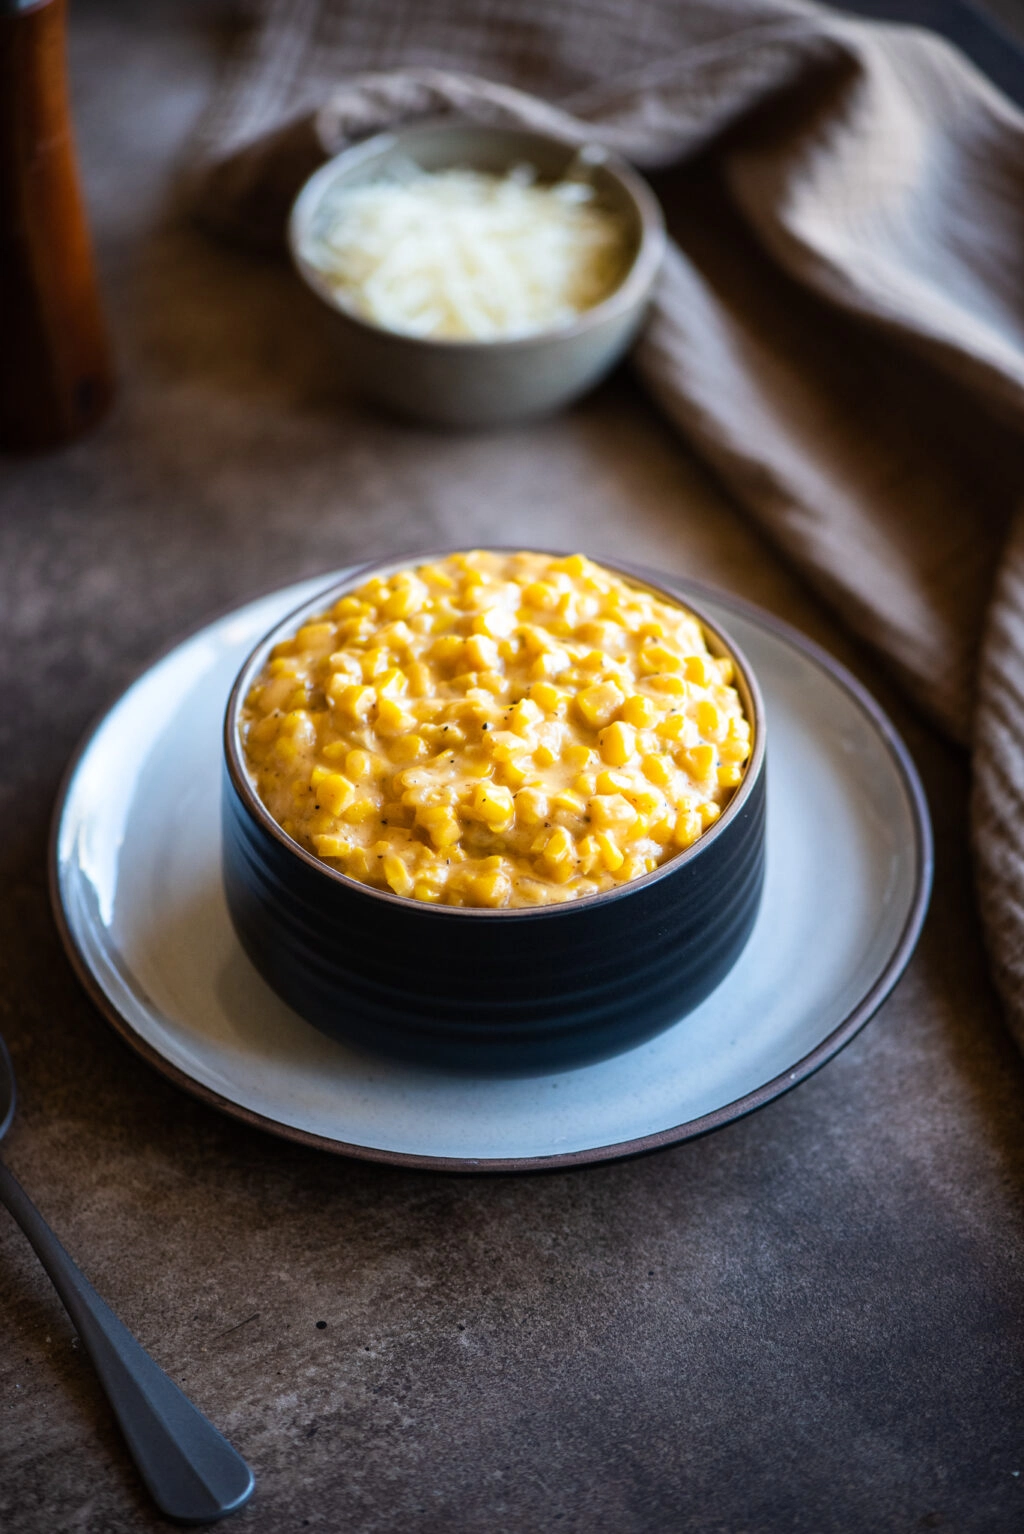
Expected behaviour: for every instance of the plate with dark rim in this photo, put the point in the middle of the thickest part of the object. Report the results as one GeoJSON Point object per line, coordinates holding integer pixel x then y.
{"type": "Point", "coordinates": [136, 890]}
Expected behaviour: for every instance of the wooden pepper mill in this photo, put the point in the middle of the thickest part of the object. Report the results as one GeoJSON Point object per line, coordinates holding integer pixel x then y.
{"type": "Point", "coordinates": [55, 370]}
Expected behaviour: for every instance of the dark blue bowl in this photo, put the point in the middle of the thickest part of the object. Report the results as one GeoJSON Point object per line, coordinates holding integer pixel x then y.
{"type": "Point", "coordinates": [521, 990]}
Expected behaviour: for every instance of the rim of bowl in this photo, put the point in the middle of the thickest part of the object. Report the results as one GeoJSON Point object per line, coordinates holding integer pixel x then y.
{"type": "Point", "coordinates": [633, 288]}
{"type": "Point", "coordinates": [750, 696]}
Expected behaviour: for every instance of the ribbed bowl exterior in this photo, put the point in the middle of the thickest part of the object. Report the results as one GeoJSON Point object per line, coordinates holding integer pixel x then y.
{"type": "Point", "coordinates": [515, 991]}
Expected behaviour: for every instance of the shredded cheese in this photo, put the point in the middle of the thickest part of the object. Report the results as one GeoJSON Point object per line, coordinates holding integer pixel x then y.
{"type": "Point", "coordinates": [462, 255]}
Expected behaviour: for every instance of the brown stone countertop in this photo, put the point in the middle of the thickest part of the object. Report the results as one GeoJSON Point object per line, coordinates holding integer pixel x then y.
{"type": "Point", "coordinates": [810, 1321]}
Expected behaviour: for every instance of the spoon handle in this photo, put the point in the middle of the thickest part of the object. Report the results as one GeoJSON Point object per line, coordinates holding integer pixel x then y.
{"type": "Point", "coordinates": [191, 1471]}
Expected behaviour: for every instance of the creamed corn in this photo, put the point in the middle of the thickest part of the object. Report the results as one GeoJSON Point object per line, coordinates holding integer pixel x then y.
{"type": "Point", "coordinates": [496, 730]}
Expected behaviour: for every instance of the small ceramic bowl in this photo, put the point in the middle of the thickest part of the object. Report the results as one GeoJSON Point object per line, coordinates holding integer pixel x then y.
{"type": "Point", "coordinates": [485, 383]}
{"type": "Point", "coordinates": [515, 990]}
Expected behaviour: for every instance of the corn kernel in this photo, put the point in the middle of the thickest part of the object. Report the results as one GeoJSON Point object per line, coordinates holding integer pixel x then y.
{"type": "Point", "coordinates": [674, 727]}
{"type": "Point", "coordinates": [559, 854]}
{"type": "Point", "coordinates": [646, 801]}
{"type": "Point", "coordinates": [448, 651]}
{"type": "Point", "coordinates": [299, 725]}
{"type": "Point", "coordinates": [668, 681]}
{"type": "Point", "coordinates": [355, 630]}
{"type": "Point", "coordinates": [375, 663]}
{"type": "Point", "coordinates": [698, 669]}
{"type": "Point", "coordinates": [545, 696]}
{"type": "Point", "coordinates": [358, 811]}
{"type": "Point", "coordinates": [589, 855]}
{"type": "Point", "coordinates": [397, 875]}
{"type": "Point", "coordinates": [729, 774]}
{"type": "Point", "coordinates": [315, 636]}
{"type": "Point", "coordinates": [524, 715]}
{"type": "Point", "coordinates": [640, 711]}
{"type": "Point", "coordinates": [658, 769]}
{"type": "Point", "coordinates": [687, 828]}
{"type": "Point", "coordinates": [542, 595]}
{"type": "Point", "coordinates": [658, 657]}
{"type": "Point", "coordinates": [617, 743]}
{"type": "Point", "coordinates": [435, 575]}
{"type": "Point", "coordinates": [392, 719]}
{"type": "Point", "coordinates": [709, 719]}
{"type": "Point", "coordinates": [409, 748]}
{"type": "Point", "coordinates": [611, 810]}
{"type": "Point", "coordinates": [536, 640]}
{"type": "Point", "coordinates": [610, 851]}
{"type": "Point", "coordinates": [479, 767]}
{"type": "Point", "coordinates": [439, 821]}
{"type": "Point", "coordinates": [594, 660]}
{"type": "Point", "coordinates": [419, 678]}
{"type": "Point", "coordinates": [286, 749]}
{"type": "Point", "coordinates": [357, 864]}
{"type": "Point", "coordinates": [608, 782]}
{"type": "Point", "coordinates": [600, 703]}
{"type": "Point", "coordinates": [264, 730]}
{"type": "Point", "coordinates": [355, 701]}
{"type": "Point", "coordinates": [392, 683]}
{"type": "Point", "coordinates": [532, 806]}
{"type": "Point", "coordinates": [481, 653]}
{"type": "Point", "coordinates": [662, 829]}
{"type": "Point", "coordinates": [494, 805]}
{"type": "Point", "coordinates": [358, 765]}
{"type": "Point", "coordinates": [513, 772]}
{"type": "Point", "coordinates": [492, 888]}
{"type": "Point", "coordinates": [699, 761]}
{"type": "Point", "coordinates": [403, 602]}
{"type": "Point", "coordinates": [335, 792]}
{"type": "Point", "coordinates": [544, 756]}
{"type": "Point", "coordinates": [330, 846]}
{"type": "Point", "coordinates": [503, 743]}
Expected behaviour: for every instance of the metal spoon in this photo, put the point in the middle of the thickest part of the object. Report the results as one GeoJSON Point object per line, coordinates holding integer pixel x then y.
{"type": "Point", "coordinates": [191, 1471]}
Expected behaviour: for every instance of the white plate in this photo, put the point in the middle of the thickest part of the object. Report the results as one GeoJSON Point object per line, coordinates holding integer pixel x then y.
{"type": "Point", "coordinates": [137, 895]}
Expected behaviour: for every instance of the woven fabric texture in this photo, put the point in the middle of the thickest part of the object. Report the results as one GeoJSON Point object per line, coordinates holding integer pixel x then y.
{"type": "Point", "coordinates": [839, 332]}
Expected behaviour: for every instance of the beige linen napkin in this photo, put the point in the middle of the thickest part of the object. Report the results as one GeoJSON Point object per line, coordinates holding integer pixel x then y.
{"type": "Point", "coordinates": [840, 328]}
